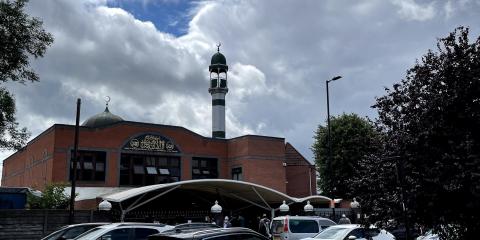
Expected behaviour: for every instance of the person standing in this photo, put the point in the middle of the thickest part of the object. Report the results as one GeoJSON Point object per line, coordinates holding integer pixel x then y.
{"type": "Point", "coordinates": [241, 221]}
{"type": "Point", "coordinates": [264, 226]}
{"type": "Point", "coordinates": [226, 223]}
{"type": "Point", "coordinates": [344, 220]}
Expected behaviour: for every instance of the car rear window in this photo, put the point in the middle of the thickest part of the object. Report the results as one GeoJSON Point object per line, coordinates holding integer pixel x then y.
{"type": "Point", "coordinates": [326, 223]}
{"type": "Point", "coordinates": [277, 226]}
{"type": "Point", "coordinates": [303, 226]}
{"type": "Point", "coordinates": [143, 233]}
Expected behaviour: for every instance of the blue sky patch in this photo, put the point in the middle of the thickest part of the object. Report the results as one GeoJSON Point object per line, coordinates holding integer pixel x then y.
{"type": "Point", "coordinates": [171, 16]}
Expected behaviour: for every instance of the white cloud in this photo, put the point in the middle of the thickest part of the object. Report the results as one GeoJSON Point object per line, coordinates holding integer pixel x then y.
{"type": "Point", "coordinates": [449, 9]}
{"type": "Point", "coordinates": [411, 10]}
{"type": "Point", "coordinates": [279, 54]}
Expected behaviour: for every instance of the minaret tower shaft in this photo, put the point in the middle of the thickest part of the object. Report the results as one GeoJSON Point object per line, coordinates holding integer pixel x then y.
{"type": "Point", "coordinates": [218, 89]}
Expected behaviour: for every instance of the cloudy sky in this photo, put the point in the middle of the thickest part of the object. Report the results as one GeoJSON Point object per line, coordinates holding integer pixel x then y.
{"type": "Point", "coordinates": [151, 57]}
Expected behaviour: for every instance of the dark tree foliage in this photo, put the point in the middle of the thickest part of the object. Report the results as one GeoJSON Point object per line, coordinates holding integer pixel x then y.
{"type": "Point", "coordinates": [20, 37]}
{"type": "Point", "coordinates": [10, 136]}
{"type": "Point", "coordinates": [352, 138]}
{"type": "Point", "coordinates": [432, 140]}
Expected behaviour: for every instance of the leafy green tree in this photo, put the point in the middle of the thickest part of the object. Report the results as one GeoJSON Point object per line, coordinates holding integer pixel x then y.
{"type": "Point", "coordinates": [11, 137]}
{"type": "Point", "coordinates": [21, 37]}
{"type": "Point", "coordinates": [432, 142]}
{"type": "Point", "coordinates": [53, 197]}
{"type": "Point", "coordinates": [352, 137]}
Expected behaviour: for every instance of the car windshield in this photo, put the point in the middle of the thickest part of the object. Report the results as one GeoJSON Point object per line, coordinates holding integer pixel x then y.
{"type": "Point", "coordinates": [88, 234]}
{"type": "Point", "coordinates": [333, 233]}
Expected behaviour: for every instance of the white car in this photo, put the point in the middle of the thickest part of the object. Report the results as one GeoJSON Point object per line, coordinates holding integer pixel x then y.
{"type": "Point", "coordinates": [428, 236]}
{"type": "Point", "coordinates": [351, 232]}
{"type": "Point", "coordinates": [72, 231]}
{"type": "Point", "coordinates": [124, 231]}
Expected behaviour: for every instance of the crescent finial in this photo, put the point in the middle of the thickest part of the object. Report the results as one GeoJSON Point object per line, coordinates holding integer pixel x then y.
{"type": "Point", "coordinates": [218, 46]}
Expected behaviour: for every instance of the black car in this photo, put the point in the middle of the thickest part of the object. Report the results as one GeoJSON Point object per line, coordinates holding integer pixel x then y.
{"type": "Point", "coordinates": [72, 231]}
{"type": "Point", "coordinates": [400, 232]}
{"type": "Point", "coordinates": [235, 233]}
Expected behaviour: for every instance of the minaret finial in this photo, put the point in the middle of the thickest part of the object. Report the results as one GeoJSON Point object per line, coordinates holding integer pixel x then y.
{"type": "Point", "coordinates": [218, 46]}
{"type": "Point", "coordinates": [107, 100]}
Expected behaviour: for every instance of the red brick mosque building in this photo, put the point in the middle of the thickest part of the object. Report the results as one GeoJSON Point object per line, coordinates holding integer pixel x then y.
{"type": "Point", "coordinates": [116, 153]}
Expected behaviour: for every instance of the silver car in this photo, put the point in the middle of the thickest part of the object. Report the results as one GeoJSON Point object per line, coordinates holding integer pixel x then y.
{"type": "Point", "coordinates": [298, 227]}
{"type": "Point", "coordinates": [72, 231]}
{"type": "Point", "coordinates": [351, 232]}
{"type": "Point", "coordinates": [124, 231]}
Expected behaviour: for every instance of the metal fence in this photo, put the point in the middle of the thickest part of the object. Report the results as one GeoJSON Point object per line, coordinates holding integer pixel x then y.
{"type": "Point", "coordinates": [336, 213]}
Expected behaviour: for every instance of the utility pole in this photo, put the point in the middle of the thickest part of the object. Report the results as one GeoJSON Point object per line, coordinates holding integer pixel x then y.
{"type": "Point", "coordinates": [74, 167]}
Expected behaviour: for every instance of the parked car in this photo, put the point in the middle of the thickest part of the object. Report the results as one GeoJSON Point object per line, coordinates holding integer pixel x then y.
{"type": "Point", "coordinates": [72, 231]}
{"type": "Point", "coordinates": [191, 226]}
{"type": "Point", "coordinates": [234, 233]}
{"type": "Point", "coordinates": [351, 232]}
{"type": "Point", "coordinates": [297, 227]}
{"type": "Point", "coordinates": [429, 235]}
{"type": "Point", "coordinates": [124, 231]}
{"type": "Point", "coordinates": [400, 232]}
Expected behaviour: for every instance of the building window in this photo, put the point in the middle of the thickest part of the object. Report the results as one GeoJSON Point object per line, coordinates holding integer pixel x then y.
{"type": "Point", "coordinates": [90, 165]}
{"type": "Point", "coordinates": [140, 170]}
{"type": "Point", "coordinates": [203, 168]}
{"type": "Point", "coordinates": [237, 174]}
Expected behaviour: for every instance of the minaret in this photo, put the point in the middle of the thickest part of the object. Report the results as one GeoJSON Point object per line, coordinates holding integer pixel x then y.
{"type": "Point", "coordinates": [218, 89]}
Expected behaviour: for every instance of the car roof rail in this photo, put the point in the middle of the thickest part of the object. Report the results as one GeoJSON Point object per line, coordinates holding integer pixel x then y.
{"type": "Point", "coordinates": [141, 224]}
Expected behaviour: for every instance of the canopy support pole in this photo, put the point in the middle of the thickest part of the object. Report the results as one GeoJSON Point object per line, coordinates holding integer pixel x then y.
{"type": "Point", "coordinates": [122, 214]}
{"type": "Point", "coordinates": [260, 196]}
{"type": "Point", "coordinates": [132, 207]}
{"type": "Point", "coordinates": [135, 202]}
{"type": "Point", "coordinates": [246, 200]}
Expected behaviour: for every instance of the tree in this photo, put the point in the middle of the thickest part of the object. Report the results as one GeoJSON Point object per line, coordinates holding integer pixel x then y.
{"type": "Point", "coordinates": [352, 137]}
{"type": "Point", "coordinates": [10, 136]}
{"type": "Point", "coordinates": [53, 197]}
{"type": "Point", "coordinates": [21, 37]}
{"type": "Point", "coordinates": [432, 140]}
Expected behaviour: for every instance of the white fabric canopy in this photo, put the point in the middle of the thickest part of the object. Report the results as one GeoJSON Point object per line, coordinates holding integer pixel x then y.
{"type": "Point", "coordinates": [252, 193]}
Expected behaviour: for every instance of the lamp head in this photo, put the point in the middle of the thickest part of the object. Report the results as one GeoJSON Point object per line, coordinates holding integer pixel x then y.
{"type": "Point", "coordinates": [336, 78]}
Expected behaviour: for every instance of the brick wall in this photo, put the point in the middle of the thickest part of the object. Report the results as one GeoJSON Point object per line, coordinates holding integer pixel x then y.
{"type": "Point", "coordinates": [31, 166]}
{"type": "Point", "coordinates": [300, 174]}
{"type": "Point", "coordinates": [260, 157]}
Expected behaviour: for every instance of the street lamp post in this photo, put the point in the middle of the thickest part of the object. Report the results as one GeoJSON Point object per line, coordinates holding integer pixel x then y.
{"type": "Point", "coordinates": [216, 210]}
{"type": "Point", "coordinates": [328, 133]}
{"type": "Point", "coordinates": [284, 208]}
{"type": "Point", "coordinates": [308, 208]}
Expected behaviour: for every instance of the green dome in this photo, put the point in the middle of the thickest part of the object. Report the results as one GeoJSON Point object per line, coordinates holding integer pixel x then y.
{"type": "Point", "coordinates": [102, 119]}
{"type": "Point", "coordinates": [218, 63]}
{"type": "Point", "coordinates": [218, 58]}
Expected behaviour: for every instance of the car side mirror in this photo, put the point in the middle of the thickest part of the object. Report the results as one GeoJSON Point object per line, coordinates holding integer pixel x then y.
{"type": "Point", "coordinates": [351, 237]}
